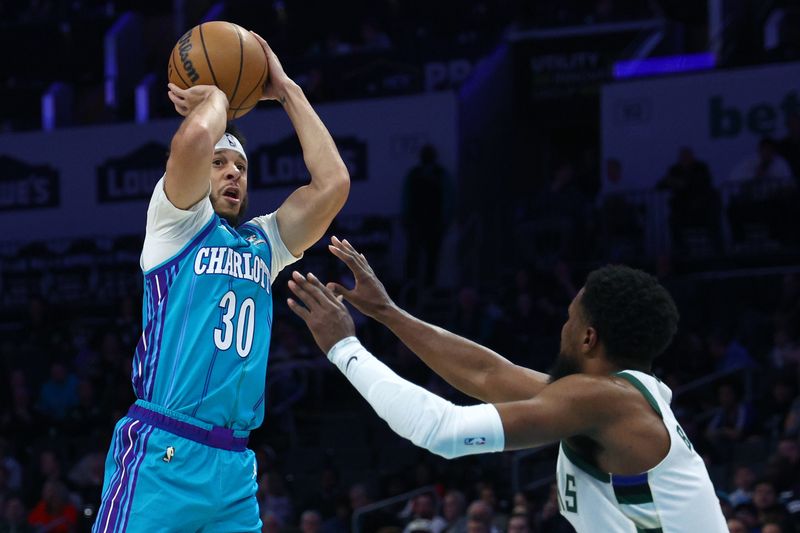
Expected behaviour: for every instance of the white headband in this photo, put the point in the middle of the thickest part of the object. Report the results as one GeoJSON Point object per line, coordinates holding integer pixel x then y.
{"type": "Point", "coordinates": [229, 142]}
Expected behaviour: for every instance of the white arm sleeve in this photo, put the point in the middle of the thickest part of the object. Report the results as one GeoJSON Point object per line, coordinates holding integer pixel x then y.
{"type": "Point", "coordinates": [414, 413]}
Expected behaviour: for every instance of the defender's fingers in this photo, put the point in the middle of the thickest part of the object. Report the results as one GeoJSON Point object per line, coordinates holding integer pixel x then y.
{"type": "Point", "coordinates": [338, 290]}
{"type": "Point", "coordinates": [320, 290]}
{"type": "Point", "coordinates": [300, 288]}
{"type": "Point", "coordinates": [298, 309]}
{"type": "Point", "coordinates": [347, 258]}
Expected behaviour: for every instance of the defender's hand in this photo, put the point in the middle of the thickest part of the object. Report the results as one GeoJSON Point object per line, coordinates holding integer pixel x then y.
{"type": "Point", "coordinates": [186, 100]}
{"type": "Point", "coordinates": [369, 295]}
{"type": "Point", "coordinates": [324, 314]}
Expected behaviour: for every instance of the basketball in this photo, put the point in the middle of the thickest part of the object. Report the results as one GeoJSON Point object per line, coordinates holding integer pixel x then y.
{"type": "Point", "coordinates": [222, 54]}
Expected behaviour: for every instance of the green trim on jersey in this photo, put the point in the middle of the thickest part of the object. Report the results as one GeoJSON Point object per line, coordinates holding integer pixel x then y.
{"type": "Point", "coordinates": [645, 392]}
{"type": "Point", "coordinates": [633, 495]}
{"type": "Point", "coordinates": [576, 459]}
{"type": "Point", "coordinates": [649, 530]}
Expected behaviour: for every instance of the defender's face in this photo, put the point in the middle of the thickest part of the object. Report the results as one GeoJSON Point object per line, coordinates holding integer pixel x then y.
{"type": "Point", "coordinates": [569, 360]}
{"type": "Point", "coordinates": [229, 185]}
{"type": "Point", "coordinates": [573, 328]}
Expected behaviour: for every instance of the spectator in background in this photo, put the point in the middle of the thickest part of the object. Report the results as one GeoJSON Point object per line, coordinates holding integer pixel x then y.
{"type": "Point", "coordinates": [766, 200]}
{"type": "Point", "coordinates": [731, 421]}
{"type": "Point", "coordinates": [789, 146]}
{"type": "Point", "coordinates": [773, 527]}
{"type": "Point", "coordinates": [728, 353]}
{"type": "Point", "coordinates": [423, 507]}
{"type": "Point", "coordinates": [766, 165]}
{"type": "Point", "coordinates": [59, 393]}
{"type": "Point", "coordinates": [86, 477]}
{"type": "Point", "coordinates": [12, 467]}
{"type": "Point", "coordinates": [14, 518]}
{"type": "Point", "coordinates": [471, 318]}
{"type": "Point", "coordinates": [743, 480]}
{"type": "Point", "coordinates": [426, 211]}
{"type": "Point", "coordinates": [327, 492]}
{"type": "Point", "coordinates": [20, 419]}
{"type": "Point", "coordinates": [693, 203]}
{"type": "Point", "coordinates": [519, 523]}
{"type": "Point", "coordinates": [5, 492]}
{"type": "Point", "coordinates": [360, 497]}
{"type": "Point", "coordinates": [310, 522]}
{"type": "Point", "coordinates": [453, 511]}
{"type": "Point", "coordinates": [791, 424]}
{"type": "Point", "coordinates": [489, 497]}
{"type": "Point", "coordinates": [778, 405]}
{"type": "Point", "coordinates": [479, 518]}
{"type": "Point", "coordinates": [270, 523]}
{"type": "Point", "coordinates": [549, 518]}
{"type": "Point", "coordinates": [273, 498]}
{"type": "Point", "coordinates": [785, 465]}
{"type": "Point", "coordinates": [747, 514]}
{"type": "Point", "coordinates": [765, 500]}
{"type": "Point", "coordinates": [54, 513]}
{"type": "Point", "coordinates": [736, 526]}
{"type": "Point", "coordinates": [373, 38]}
{"type": "Point", "coordinates": [621, 220]}
{"type": "Point", "coordinates": [560, 212]}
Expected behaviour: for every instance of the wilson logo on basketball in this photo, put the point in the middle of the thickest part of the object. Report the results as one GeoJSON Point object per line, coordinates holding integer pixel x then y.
{"type": "Point", "coordinates": [185, 46]}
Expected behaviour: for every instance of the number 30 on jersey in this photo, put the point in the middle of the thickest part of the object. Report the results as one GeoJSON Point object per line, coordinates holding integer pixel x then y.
{"type": "Point", "coordinates": [243, 329]}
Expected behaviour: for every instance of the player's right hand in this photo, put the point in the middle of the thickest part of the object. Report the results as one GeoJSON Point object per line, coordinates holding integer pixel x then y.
{"type": "Point", "coordinates": [185, 100]}
{"type": "Point", "coordinates": [369, 295]}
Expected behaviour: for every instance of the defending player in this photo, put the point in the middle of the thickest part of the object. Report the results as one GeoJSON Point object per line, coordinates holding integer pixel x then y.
{"type": "Point", "coordinates": [624, 465]}
{"type": "Point", "coordinates": [179, 459]}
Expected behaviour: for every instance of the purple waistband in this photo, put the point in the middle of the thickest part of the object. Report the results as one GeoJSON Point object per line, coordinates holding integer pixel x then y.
{"type": "Point", "coordinates": [216, 437]}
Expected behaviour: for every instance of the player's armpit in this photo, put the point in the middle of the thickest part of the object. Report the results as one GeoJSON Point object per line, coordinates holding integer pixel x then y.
{"type": "Point", "coordinates": [574, 405]}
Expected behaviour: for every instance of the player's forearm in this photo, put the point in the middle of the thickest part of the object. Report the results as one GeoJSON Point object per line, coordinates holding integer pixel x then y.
{"type": "Point", "coordinates": [204, 126]}
{"type": "Point", "coordinates": [328, 171]}
{"type": "Point", "coordinates": [414, 413]}
{"type": "Point", "coordinates": [469, 367]}
{"type": "Point", "coordinates": [192, 149]}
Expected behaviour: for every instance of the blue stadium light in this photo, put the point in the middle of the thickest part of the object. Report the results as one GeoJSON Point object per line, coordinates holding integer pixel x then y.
{"type": "Point", "coordinates": [654, 66]}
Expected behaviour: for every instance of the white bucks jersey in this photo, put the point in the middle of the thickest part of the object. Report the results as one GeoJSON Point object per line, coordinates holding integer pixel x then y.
{"type": "Point", "coordinates": [675, 496]}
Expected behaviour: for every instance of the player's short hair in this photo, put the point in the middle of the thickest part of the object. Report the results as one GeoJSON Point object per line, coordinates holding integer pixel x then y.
{"type": "Point", "coordinates": [231, 128]}
{"type": "Point", "coordinates": [633, 314]}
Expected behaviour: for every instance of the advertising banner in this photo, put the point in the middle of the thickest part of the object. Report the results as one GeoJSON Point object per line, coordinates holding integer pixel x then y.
{"type": "Point", "coordinates": [720, 115]}
{"type": "Point", "coordinates": [96, 181]}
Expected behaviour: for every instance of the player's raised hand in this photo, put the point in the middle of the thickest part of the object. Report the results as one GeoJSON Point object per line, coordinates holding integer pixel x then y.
{"type": "Point", "coordinates": [185, 100]}
{"type": "Point", "coordinates": [369, 295]}
{"type": "Point", "coordinates": [324, 314]}
{"type": "Point", "coordinates": [276, 77]}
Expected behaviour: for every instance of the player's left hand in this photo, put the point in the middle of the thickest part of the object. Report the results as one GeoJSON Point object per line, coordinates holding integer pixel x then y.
{"type": "Point", "coordinates": [277, 80]}
{"type": "Point", "coordinates": [324, 313]}
{"type": "Point", "coordinates": [186, 100]}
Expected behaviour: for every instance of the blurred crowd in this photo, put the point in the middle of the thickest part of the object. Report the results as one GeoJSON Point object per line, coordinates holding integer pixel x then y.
{"type": "Point", "coordinates": [583, 211]}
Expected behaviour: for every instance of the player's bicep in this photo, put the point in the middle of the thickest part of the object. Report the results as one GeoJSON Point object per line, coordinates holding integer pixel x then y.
{"type": "Point", "coordinates": [571, 406]}
{"type": "Point", "coordinates": [510, 383]}
{"type": "Point", "coordinates": [305, 215]}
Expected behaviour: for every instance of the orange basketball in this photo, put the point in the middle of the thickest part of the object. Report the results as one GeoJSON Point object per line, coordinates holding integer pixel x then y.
{"type": "Point", "coordinates": [222, 54]}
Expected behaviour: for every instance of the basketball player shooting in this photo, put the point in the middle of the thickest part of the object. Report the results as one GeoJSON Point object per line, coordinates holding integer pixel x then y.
{"type": "Point", "coordinates": [178, 460]}
{"type": "Point", "coordinates": [624, 464]}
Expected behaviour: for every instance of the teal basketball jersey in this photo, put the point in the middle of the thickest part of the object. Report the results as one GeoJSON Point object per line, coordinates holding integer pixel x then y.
{"type": "Point", "coordinates": [207, 312]}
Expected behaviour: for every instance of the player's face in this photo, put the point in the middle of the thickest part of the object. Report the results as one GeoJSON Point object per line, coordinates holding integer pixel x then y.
{"type": "Point", "coordinates": [229, 185]}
